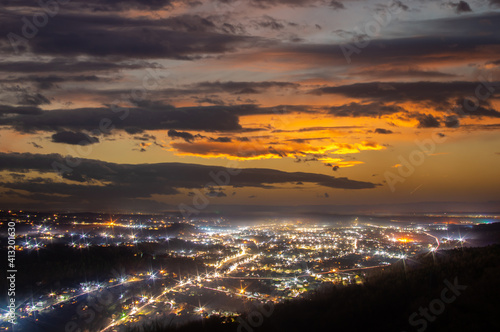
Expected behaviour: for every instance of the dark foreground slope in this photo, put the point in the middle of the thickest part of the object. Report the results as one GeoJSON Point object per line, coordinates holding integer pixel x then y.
{"type": "Point", "coordinates": [456, 290]}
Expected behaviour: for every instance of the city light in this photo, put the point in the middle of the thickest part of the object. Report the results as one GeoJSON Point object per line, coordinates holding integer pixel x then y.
{"type": "Point", "coordinates": [290, 260]}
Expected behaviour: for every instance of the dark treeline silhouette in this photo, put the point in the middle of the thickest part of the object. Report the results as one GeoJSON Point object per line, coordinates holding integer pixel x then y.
{"type": "Point", "coordinates": [388, 298]}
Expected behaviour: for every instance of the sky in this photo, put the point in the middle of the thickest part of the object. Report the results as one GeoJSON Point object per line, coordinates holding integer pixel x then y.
{"type": "Point", "coordinates": [163, 105]}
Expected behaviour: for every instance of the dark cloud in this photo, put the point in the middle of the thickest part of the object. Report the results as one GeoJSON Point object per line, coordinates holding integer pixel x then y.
{"type": "Point", "coordinates": [232, 29]}
{"type": "Point", "coordinates": [399, 4]}
{"type": "Point", "coordinates": [273, 3]}
{"type": "Point", "coordinates": [181, 134]}
{"type": "Point", "coordinates": [265, 4]}
{"type": "Point", "coordinates": [306, 140]}
{"type": "Point", "coordinates": [472, 108]}
{"type": "Point", "coordinates": [207, 92]}
{"type": "Point", "coordinates": [440, 95]}
{"type": "Point", "coordinates": [489, 126]}
{"type": "Point", "coordinates": [221, 139]}
{"type": "Point", "coordinates": [372, 109]}
{"type": "Point", "coordinates": [336, 5]}
{"type": "Point", "coordinates": [452, 121]}
{"type": "Point", "coordinates": [496, 62]}
{"type": "Point", "coordinates": [103, 182]}
{"type": "Point", "coordinates": [35, 99]}
{"type": "Point", "coordinates": [402, 91]}
{"type": "Point", "coordinates": [71, 66]}
{"type": "Point", "coordinates": [241, 87]}
{"type": "Point", "coordinates": [299, 160]}
{"type": "Point", "coordinates": [276, 152]}
{"type": "Point", "coordinates": [74, 138]}
{"type": "Point", "coordinates": [98, 5]}
{"type": "Point", "coordinates": [131, 130]}
{"type": "Point", "coordinates": [17, 176]}
{"type": "Point", "coordinates": [404, 72]}
{"type": "Point", "coordinates": [111, 5]}
{"type": "Point", "coordinates": [184, 37]}
{"type": "Point", "coordinates": [133, 120]}
{"type": "Point", "coordinates": [216, 193]}
{"type": "Point", "coordinates": [145, 137]}
{"type": "Point", "coordinates": [77, 177]}
{"type": "Point", "coordinates": [307, 129]}
{"type": "Point", "coordinates": [169, 175]}
{"type": "Point", "coordinates": [383, 131]}
{"type": "Point", "coordinates": [21, 110]}
{"type": "Point", "coordinates": [269, 22]}
{"type": "Point", "coordinates": [461, 7]}
{"type": "Point", "coordinates": [209, 100]}
{"type": "Point", "coordinates": [48, 82]}
{"type": "Point", "coordinates": [38, 146]}
{"type": "Point", "coordinates": [459, 38]}
{"type": "Point", "coordinates": [428, 121]}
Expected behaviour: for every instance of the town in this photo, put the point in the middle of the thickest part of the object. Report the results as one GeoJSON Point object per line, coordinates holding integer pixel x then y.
{"type": "Point", "coordinates": [167, 268]}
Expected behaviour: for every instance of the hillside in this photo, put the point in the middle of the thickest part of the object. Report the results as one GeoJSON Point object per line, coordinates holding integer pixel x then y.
{"type": "Point", "coordinates": [460, 287]}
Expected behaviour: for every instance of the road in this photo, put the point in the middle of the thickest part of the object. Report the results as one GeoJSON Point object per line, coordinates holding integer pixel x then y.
{"type": "Point", "coordinates": [437, 240]}
{"type": "Point", "coordinates": [203, 277]}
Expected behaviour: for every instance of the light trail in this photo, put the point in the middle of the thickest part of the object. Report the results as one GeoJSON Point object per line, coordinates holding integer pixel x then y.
{"type": "Point", "coordinates": [216, 275]}
{"type": "Point", "coordinates": [437, 240]}
{"type": "Point", "coordinates": [92, 291]}
{"type": "Point", "coordinates": [307, 274]}
{"type": "Point", "coordinates": [76, 296]}
{"type": "Point", "coordinates": [203, 277]}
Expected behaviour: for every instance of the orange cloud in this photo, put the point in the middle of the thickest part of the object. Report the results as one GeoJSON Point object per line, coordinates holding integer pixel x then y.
{"type": "Point", "coordinates": [340, 162]}
{"type": "Point", "coordinates": [239, 151]}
